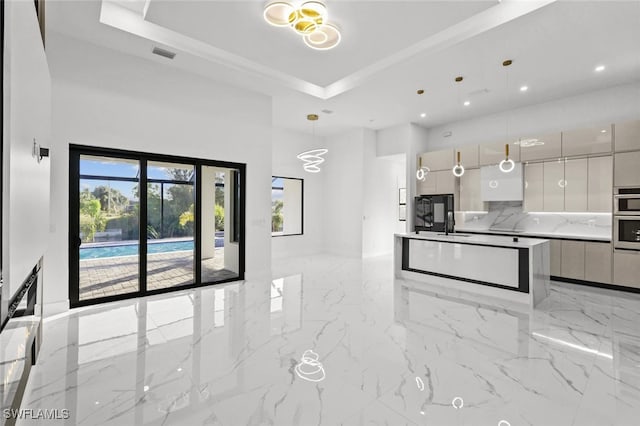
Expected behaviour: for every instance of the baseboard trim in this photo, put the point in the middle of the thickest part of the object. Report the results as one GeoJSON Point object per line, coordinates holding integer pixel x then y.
{"type": "Point", "coordinates": [595, 284]}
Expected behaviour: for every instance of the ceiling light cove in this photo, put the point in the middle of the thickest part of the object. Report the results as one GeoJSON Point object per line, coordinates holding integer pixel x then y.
{"type": "Point", "coordinates": [308, 20]}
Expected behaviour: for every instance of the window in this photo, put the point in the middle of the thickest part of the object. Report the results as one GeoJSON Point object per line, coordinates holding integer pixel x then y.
{"type": "Point", "coordinates": [286, 206]}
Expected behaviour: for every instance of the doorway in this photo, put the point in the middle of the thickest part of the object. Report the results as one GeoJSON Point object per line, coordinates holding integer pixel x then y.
{"type": "Point", "coordinates": [144, 223]}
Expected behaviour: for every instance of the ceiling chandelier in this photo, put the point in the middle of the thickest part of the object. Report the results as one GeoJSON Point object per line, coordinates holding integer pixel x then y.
{"type": "Point", "coordinates": [313, 158]}
{"type": "Point", "coordinates": [309, 20]}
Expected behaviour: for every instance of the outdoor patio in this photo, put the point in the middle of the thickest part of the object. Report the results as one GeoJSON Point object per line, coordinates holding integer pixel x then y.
{"type": "Point", "coordinates": [119, 275]}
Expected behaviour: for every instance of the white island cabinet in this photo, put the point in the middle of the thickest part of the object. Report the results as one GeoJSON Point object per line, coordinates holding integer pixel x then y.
{"type": "Point", "coordinates": [491, 265]}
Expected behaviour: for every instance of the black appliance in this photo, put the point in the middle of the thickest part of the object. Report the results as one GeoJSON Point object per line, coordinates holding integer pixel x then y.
{"type": "Point", "coordinates": [434, 213]}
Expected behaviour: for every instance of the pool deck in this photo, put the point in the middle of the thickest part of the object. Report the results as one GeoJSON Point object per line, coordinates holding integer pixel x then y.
{"type": "Point", "coordinates": [110, 276]}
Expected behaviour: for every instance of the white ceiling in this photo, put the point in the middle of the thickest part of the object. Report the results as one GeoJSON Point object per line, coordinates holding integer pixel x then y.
{"type": "Point", "coordinates": [389, 50]}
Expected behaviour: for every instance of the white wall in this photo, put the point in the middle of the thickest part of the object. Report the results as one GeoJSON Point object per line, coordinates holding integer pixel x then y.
{"type": "Point", "coordinates": [618, 103]}
{"type": "Point", "coordinates": [342, 211]}
{"type": "Point", "coordinates": [383, 177]}
{"type": "Point", "coordinates": [104, 98]}
{"type": "Point", "coordinates": [287, 145]}
{"type": "Point", "coordinates": [27, 107]}
{"type": "Point", "coordinates": [292, 206]}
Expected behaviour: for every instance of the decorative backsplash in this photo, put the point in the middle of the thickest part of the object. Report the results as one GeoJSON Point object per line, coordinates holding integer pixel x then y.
{"type": "Point", "coordinates": [509, 217]}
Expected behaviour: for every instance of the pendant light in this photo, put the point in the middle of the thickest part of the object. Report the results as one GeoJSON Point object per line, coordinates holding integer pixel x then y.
{"type": "Point", "coordinates": [313, 158]}
{"type": "Point", "coordinates": [507, 165]}
{"type": "Point", "coordinates": [422, 172]}
{"type": "Point", "coordinates": [458, 170]}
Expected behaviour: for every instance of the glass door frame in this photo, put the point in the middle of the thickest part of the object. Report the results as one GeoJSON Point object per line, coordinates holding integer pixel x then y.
{"type": "Point", "coordinates": [75, 151]}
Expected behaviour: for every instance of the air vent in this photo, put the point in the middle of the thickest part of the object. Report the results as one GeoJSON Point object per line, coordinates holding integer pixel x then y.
{"type": "Point", "coordinates": [162, 52]}
{"type": "Point", "coordinates": [327, 111]}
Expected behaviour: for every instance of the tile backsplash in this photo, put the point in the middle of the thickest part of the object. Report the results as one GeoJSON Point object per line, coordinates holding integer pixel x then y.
{"type": "Point", "coordinates": [509, 217]}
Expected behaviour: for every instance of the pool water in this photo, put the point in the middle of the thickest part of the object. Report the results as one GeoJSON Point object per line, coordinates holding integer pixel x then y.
{"type": "Point", "coordinates": [132, 249]}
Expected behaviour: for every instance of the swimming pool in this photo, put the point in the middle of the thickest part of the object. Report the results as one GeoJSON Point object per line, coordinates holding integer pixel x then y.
{"type": "Point", "coordinates": [117, 250]}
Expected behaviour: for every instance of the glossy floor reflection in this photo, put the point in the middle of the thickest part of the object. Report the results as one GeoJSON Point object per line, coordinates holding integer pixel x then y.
{"type": "Point", "coordinates": [391, 352]}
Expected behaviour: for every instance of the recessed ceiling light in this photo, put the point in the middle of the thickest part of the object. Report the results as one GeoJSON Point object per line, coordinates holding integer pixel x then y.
{"type": "Point", "coordinates": [600, 68]}
{"type": "Point", "coordinates": [603, 131]}
{"type": "Point", "coordinates": [524, 88]}
{"type": "Point", "coordinates": [467, 103]}
{"type": "Point", "coordinates": [423, 115]}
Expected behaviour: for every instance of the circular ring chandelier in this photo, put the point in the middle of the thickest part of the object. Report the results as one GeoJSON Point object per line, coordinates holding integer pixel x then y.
{"type": "Point", "coordinates": [308, 20]}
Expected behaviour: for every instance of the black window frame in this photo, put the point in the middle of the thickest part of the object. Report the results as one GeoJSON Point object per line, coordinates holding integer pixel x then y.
{"type": "Point", "coordinates": [239, 226]}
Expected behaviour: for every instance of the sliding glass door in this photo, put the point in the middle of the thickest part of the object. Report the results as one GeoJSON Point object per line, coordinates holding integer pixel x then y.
{"type": "Point", "coordinates": [145, 223]}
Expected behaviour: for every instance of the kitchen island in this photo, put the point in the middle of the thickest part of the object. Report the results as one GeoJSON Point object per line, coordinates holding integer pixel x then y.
{"type": "Point", "coordinates": [492, 265]}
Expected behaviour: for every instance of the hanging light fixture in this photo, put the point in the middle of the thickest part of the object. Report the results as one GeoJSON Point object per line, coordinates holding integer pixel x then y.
{"type": "Point", "coordinates": [507, 165]}
{"type": "Point", "coordinates": [458, 170]}
{"type": "Point", "coordinates": [422, 172]}
{"type": "Point", "coordinates": [313, 158]}
{"type": "Point", "coordinates": [308, 20]}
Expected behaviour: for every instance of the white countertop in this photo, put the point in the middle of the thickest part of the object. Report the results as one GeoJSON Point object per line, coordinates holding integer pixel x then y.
{"type": "Point", "coordinates": [538, 234]}
{"type": "Point", "coordinates": [461, 237]}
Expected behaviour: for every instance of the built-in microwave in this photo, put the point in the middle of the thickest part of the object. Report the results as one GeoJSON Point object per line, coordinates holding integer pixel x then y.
{"type": "Point", "coordinates": [626, 232]}
{"type": "Point", "coordinates": [626, 201]}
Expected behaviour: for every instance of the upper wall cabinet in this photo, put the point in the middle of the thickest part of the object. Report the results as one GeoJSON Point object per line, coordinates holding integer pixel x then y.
{"type": "Point", "coordinates": [600, 183]}
{"type": "Point", "coordinates": [553, 186]}
{"type": "Point", "coordinates": [592, 140]}
{"type": "Point", "coordinates": [627, 136]}
{"type": "Point", "coordinates": [438, 160]}
{"type": "Point", "coordinates": [627, 169]}
{"type": "Point", "coordinates": [468, 156]}
{"type": "Point", "coordinates": [493, 153]}
{"type": "Point", "coordinates": [470, 197]}
{"type": "Point", "coordinates": [543, 147]}
{"type": "Point", "coordinates": [438, 182]}
{"type": "Point", "coordinates": [575, 185]}
{"type": "Point", "coordinates": [533, 187]}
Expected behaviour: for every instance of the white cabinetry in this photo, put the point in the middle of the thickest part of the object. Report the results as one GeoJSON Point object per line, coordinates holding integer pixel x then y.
{"type": "Point", "coordinates": [627, 169]}
{"type": "Point", "coordinates": [543, 147]}
{"type": "Point", "coordinates": [556, 258]}
{"type": "Point", "coordinates": [627, 136]}
{"type": "Point", "coordinates": [498, 186]}
{"type": "Point", "coordinates": [470, 197]}
{"type": "Point", "coordinates": [438, 160]}
{"type": "Point", "coordinates": [553, 186]}
{"type": "Point", "coordinates": [493, 153]}
{"type": "Point", "coordinates": [533, 187]}
{"type": "Point", "coordinates": [437, 182]}
{"type": "Point", "coordinates": [597, 266]}
{"type": "Point", "coordinates": [469, 156]}
{"type": "Point", "coordinates": [600, 184]}
{"type": "Point", "coordinates": [592, 140]}
{"type": "Point", "coordinates": [626, 268]}
{"type": "Point", "coordinates": [575, 189]}
{"type": "Point", "coordinates": [572, 260]}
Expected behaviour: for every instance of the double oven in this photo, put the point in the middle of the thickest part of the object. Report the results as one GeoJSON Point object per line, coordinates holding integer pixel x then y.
{"type": "Point", "coordinates": [626, 219]}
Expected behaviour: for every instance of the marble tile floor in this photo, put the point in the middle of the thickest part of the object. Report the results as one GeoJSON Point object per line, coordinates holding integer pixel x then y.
{"type": "Point", "coordinates": [385, 352]}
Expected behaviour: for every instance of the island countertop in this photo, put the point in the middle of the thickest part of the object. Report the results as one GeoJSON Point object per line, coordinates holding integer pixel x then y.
{"type": "Point", "coordinates": [475, 239]}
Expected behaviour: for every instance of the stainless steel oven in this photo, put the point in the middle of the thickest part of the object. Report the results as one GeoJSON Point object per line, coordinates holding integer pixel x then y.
{"type": "Point", "coordinates": [626, 201]}
{"type": "Point", "coordinates": [626, 232]}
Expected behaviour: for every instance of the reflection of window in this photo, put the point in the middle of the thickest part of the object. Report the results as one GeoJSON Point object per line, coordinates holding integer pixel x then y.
{"type": "Point", "coordinates": [286, 206]}
{"type": "Point", "coordinates": [277, 288]}
{"type": "Point", "coordinates": [218, 308]}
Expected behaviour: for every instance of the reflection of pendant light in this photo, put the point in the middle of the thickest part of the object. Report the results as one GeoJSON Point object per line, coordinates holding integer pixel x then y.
{"type": "Point", "coordinates": [507, 165]}
{"type": "Point", "coordinates": [458, 170]}
{"type": "Point", "coordinates": [313, 158]}
{"type": "Point", "coordinates": [421, 173]}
